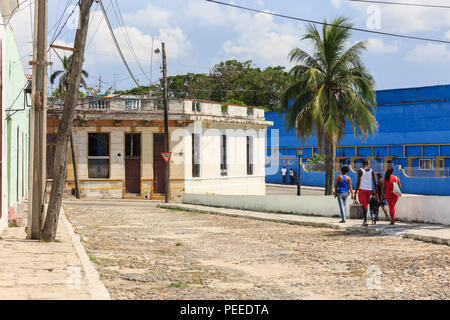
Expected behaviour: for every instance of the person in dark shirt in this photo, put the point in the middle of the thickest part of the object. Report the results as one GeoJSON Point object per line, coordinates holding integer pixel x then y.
{"type": "Point", "coordinates": [382, 201]}
{"type": "Point", "coordinates": [374, 208]}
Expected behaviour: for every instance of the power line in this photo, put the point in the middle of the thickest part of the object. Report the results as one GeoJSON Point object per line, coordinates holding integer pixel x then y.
{"type": "Point", "coordinates": [328, 24]}
{"type": "Point", "coordinates": [98, 26]}
{"type": "Point", "coordinates": [65, 22]}
{"type": "Point", "coordinates": [126, 35]}
{"type": "Point", "coordinates": [403, 4]}
{"type": "Point", "coordinates": [116, 43]}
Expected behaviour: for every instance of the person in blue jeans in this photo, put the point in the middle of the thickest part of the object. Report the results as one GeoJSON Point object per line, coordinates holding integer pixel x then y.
{"type": "Point", "coordinates": [342, 188]}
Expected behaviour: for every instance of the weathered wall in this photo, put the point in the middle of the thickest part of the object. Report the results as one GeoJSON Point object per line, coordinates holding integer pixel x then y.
{"type": "Point", "coordinates": [237, 181]}
{"type": "Point", "coordinates": [15, 128]}
{"type": "Point", "coordinates": [412, 208]}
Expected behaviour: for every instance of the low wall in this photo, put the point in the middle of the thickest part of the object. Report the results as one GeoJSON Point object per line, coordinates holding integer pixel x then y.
{"type": "Point", "coordinates": [413, 208]}
{"type": "Point", "coordinates": [411, 185]}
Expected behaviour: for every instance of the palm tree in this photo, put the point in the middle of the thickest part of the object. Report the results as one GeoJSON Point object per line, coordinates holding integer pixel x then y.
{"type": "Point", "coordinates": [64, 75]}
{"type": "Point", "coordinates": [328, 88]}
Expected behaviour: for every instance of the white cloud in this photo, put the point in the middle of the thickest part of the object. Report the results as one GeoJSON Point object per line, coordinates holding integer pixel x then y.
{"type": "Point", "coordinates": [102, 48]}
{"type": "Point", "coordinates": [377, 45]}
{"type": "Point", "coordinates": [257, 37]}
{"type": "Point", "coordinates": [430, 53]}
{"type": "Point", "coordinates": [447, 35]}
{"type": "Point", "coordinates": [407, 19]}
{"type": "Point", "coordinates": [151, 16]}
{"type": "Point", "coordinates": [336, 3]}
{"type": "Point", "coordinates": [21, 24]}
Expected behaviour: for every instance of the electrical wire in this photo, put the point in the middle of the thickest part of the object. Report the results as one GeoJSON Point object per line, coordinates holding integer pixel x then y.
{"type": "Point", "coordinates": [127, 37]}
{"type": "Point", "coordinates": [328, 24]}
{"type": "Point", "coordinates": [116, 43]}
{"type": "Point", "coordinates": [403, 4]}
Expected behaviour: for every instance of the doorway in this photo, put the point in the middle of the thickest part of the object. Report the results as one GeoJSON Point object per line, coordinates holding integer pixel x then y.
{"type": "Point", "coordinates": [159, 175]}
{"type": "Point", "coordinates": [133, 163]}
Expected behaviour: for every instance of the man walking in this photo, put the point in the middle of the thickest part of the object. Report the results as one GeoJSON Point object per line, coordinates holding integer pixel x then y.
{"type": "Point", "coordinates": [283, 174]}
{"type": "Point", "coordinates": [365, 185]}
{"type": "Point", "coordinates": [292, 176]}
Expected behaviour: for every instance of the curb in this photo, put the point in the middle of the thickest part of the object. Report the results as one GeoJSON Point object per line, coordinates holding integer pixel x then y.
{"type": "Point", "coordinates": [97, 289]}
{"type": "Point", "coordinates": [402, 232]}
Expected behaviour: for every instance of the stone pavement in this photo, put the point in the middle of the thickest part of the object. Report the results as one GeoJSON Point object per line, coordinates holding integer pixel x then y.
{"type": "Point", "coordinates": [34, 270]}
{"type": "Point", "coordinates": [434, 233]}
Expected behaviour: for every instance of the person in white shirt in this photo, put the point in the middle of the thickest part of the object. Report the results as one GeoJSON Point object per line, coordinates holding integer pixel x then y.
{"type": "Point", "coordinates": [283, 174]}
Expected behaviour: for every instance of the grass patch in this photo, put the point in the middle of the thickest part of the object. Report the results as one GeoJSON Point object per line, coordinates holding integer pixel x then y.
{"type": "Point", "coordinates": [179, 244]}
{"type": "Point", "coordinates": [93, 259]}
{"type": "Point", "coordinates": [13, 225]}
{"type": "Point", "coordinates": [178, 285]}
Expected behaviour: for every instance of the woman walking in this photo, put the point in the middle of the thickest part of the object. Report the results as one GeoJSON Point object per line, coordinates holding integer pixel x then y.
{"type": "Point", "coordinates": [342, 188]}
{"type": "Point", "coordinates": [388, 192]}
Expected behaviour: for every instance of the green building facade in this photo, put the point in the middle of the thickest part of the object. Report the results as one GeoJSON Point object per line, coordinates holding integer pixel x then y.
{"type": "Point", "coordinates": [15, 135]}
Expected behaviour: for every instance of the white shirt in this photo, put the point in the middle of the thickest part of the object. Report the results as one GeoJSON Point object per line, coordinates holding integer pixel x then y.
{"type": "Point", "coordinates": [366, 180]}
{"type": "Point", "coordinates": [283, 171]}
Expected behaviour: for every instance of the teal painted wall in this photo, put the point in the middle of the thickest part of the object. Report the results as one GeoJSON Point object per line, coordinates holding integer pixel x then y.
{"type": "Point", "coordinates": [16, 112]}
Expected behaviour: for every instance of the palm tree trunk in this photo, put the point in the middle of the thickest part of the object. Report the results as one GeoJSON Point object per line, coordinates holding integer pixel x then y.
{"type": "Point", "coordinates": [330, 163]}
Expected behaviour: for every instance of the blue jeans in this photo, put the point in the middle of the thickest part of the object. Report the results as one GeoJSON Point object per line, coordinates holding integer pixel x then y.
{"type": "Point", "coordinates": [342, 200]}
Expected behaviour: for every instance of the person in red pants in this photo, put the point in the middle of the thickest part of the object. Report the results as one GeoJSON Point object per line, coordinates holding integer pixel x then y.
{"type": "Point", "coordinates": [388, 192]}
{"type": "Point", "coordinates": [365, 185]}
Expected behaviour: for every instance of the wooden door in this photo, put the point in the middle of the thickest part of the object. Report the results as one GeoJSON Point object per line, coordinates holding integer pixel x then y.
{"type": "Point", "coordinates": [133, 163]}
{"type": "Point", "coordinates": [159, 164]}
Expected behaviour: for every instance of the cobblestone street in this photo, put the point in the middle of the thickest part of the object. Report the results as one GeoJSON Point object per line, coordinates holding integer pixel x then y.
{"type": "Point", "coordinates": [145, 252]}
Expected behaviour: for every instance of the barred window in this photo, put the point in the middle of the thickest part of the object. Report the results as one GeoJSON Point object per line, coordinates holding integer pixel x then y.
{"type": "Point", "coordinates": [223, 156]}
{"type": "Point", "coordinates": [98, 157]}
{"type": "Point", "coordinates": [195, 155]}
{"type": "Point", "coordinates": [250, 164]}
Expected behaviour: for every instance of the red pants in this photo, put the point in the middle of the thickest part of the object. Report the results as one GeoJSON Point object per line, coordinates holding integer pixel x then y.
{"type": "Point", "coordinates": [364, 197]}
{"type": "Point", "coordinates": [392, 201]}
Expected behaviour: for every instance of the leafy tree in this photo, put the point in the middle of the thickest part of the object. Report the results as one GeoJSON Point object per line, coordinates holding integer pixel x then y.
{"type": "Point", "coordinates": [64, 75]}
{"type": "Point", "coordinates": [328, 88]}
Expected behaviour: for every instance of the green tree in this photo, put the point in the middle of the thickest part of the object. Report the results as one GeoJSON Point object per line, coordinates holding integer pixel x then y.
{"type": "Point", "coordinates": [64, 75]}
{"type": "Point", "coordinates": [328, 87]}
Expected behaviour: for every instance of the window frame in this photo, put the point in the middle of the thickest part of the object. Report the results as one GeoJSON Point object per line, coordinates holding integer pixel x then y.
{"type": "Point", "coordinates": [223, 155]}
{"type": "Point", "coordinates": [250, 150]}
{"type": "Point", "coordinates": [432, 162]}
{"type": "Point", "coordinates": [100, 157]}
{"type": "Point", "coordinates": [196, 167]}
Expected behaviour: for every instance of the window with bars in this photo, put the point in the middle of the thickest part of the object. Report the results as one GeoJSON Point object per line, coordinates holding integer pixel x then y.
{"type": "Point", "coordinates": [196, 106]}
{"type": "Point", "coordinates": [195, 155]}
{"type": "Point", "coordinates": [98, 156]}
{"type": "Point", "coordinates": [223, 156]}
{"type": "Point", "coordinates": [250, 164]}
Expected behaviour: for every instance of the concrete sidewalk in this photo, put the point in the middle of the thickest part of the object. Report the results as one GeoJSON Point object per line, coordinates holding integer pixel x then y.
{"type": "Point", "coordinates": [419, 231]}
{"type": "Point", "coordinates": [34, 270]}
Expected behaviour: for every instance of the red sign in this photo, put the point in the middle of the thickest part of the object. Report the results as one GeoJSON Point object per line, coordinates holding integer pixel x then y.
{"type": "Point", "coordinates": [166, 156]}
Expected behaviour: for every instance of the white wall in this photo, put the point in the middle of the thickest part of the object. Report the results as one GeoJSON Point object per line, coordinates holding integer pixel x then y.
{"type": "Point", "coordinates": [4, 182]}
{"type": "Point", "coordinates": [237, 182]}
{"type": "Point", "coordinates": [414, 209]}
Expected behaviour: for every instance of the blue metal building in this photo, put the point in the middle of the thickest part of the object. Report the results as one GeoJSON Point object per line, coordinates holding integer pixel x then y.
{"type": "Point", "coordinates": [413, 136]}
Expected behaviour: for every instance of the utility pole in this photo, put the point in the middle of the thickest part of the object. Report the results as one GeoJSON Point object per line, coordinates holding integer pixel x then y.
{"type": "Point", "coordinates": [166, 121]}
{"type": "Point", "coordinates": [100, 84]}
{"type": "Point", "coordinates": [37, 174]}
{"type": "Point", "coordinates": [66, 125]}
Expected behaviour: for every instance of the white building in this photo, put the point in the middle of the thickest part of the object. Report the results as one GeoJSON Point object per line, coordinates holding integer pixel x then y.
{"type": "Point", "coordinates": [217, 148]}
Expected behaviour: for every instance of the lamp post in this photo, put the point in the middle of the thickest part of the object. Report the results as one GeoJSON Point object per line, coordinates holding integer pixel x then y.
{"type": "Point", "coordinates": [299, 185]}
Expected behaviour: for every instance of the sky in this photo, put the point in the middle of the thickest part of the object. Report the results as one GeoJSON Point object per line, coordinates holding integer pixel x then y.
{"type": "Point", "coordinates": [198, 34]}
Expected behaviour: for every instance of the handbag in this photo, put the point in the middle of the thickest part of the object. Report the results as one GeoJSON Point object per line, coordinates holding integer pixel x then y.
{"type": "Point", "coordinates": [396, 189]}
{"type": "Point", "coordinates": [356, 210]}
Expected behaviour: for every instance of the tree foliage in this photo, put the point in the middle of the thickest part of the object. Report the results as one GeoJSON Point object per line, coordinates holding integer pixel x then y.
{"type": "Point", "coordinates": [228, 80]}
{"type": "Point", "coordinates": [328, 88]}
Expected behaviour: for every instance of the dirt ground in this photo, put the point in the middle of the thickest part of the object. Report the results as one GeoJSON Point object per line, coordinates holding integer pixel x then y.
{"type": "Point", "coordinates": [145, 252]}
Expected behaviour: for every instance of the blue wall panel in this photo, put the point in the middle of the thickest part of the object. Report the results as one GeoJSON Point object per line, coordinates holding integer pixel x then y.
{"type": "Point", "coordinates": [414, 116]}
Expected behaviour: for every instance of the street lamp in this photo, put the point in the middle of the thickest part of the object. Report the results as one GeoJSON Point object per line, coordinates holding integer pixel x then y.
{"type": "Point", "coordinates": [299, 155]}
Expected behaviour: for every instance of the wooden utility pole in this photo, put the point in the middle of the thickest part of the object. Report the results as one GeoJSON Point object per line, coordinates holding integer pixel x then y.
{"type": "Point", "coordinates": [166, 120]}
{"type": "Point", "coordinates": [38, 117]}
{"type": "Point", "coordinates": [75, 168]}
{"type": "Point", "coordinates": [66, 125]}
